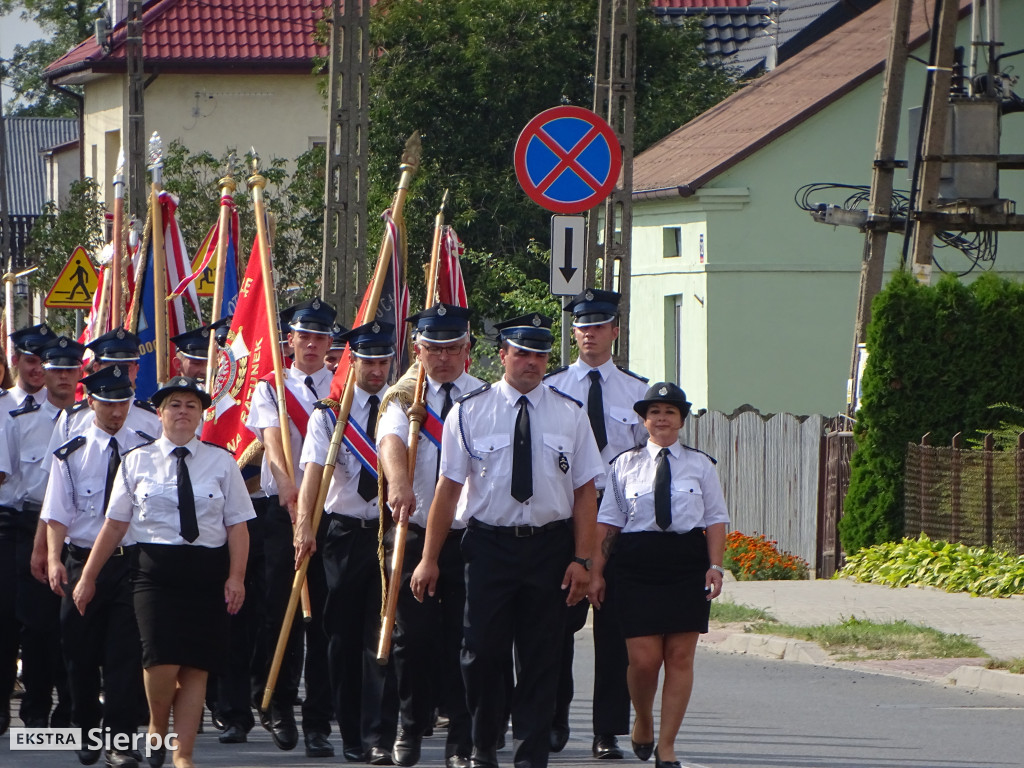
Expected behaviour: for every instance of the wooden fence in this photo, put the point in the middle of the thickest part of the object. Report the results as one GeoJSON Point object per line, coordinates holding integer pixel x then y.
{"type": "Point", "coordinates": [772, 473]}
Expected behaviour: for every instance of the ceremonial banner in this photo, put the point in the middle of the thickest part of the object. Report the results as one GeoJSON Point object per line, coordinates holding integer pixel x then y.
{"type": "Point", "coordinates": [205, 262]}
{"type": "Point", "coordinates": [451, 288]}
{"type": "Point", "coordinates": [245, 361]}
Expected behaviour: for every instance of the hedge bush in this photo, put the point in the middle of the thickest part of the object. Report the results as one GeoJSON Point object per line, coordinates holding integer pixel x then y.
{"type": "Point", "coordinates": [939, 357]}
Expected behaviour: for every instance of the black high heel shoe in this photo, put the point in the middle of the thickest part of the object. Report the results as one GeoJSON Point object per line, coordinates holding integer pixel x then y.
{"type": "Point", "coordinates": [659, 763]}
{"type": "Point", "coordinates": [641, 749]}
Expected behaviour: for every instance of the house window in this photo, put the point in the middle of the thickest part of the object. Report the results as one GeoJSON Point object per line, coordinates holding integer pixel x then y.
{"type": "Point", "coordinates": [672, 242]}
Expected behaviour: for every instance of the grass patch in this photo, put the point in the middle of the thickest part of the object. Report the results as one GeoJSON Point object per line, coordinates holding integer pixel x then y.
{"type": "Point", "coordinates": [856, 639]}
{"type": "Point", "coordinates": [731, 613]}
{"type": "Point", "coordinates": [1010, 665]}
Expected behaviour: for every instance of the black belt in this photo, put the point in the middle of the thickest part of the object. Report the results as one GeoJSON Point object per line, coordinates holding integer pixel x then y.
{"type": "Point", "coordinates": [31, 508]}
{"type": "Point", "coordinates": [81, 554]}
{"type": "Point", "coordinates": [519, 531]}
{"type": "Point", "coordinates": [423, 531]}
{"type": "Point", "coordinates": [349, 523]}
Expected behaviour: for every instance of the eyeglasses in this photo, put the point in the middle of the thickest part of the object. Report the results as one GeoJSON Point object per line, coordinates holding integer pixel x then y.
{"type": "Point", "coordinates": [452, 351]}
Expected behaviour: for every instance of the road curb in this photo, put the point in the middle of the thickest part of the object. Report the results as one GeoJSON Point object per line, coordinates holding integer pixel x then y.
{"type": "Point", "coordinates": [775, 647]}
{"type": "Point", "coordinates": [989, 680]}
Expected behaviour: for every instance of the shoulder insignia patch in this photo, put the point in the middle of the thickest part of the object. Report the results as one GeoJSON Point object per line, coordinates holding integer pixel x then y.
{"type": "Point", "coordinates": [556, 371]}
{"type": "Point", "coordinates": [698, 450]}
{"type": "Point", "coordinates": [628, 372]}
{"type": "Point", "coordinates": [70, 447]}
{"type": "Point", "coordinates": [474, 393]}
{"type": "Point", "coordinates": [567, 397]}
{"type": "Point", "coordinates": [25, 407]}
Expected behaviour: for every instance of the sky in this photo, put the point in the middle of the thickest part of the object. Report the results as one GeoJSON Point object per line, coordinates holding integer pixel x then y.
{"type": "Point", "coordinates": [14, 31]}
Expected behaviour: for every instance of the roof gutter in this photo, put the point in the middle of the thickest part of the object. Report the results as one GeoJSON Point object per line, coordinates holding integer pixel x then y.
{"type": "Point", "coordinates": [665, 193]}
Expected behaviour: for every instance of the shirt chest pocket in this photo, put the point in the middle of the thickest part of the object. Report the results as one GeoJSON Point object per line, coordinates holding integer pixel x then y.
{"type": "Point", "coordinates": [91, 497]}
{"type": "Point", "coordinates": [558, 454]}
{"type": "Point", "coordinates": [155, 498]}
{"type": "Point", "coordinates": [495, 454]}
{"type": "Point", "coordinates": [638, 496]}
{"type": "Point", "coordinates": [687, 493]}
{"type": "Point", "coordinates": [209, 496]}
{"type": "Point", "coordinates": [623, 421]}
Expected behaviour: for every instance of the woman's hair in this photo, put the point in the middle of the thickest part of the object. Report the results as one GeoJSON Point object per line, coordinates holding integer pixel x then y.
{"type": "Point", "coordinates": [6, 381]}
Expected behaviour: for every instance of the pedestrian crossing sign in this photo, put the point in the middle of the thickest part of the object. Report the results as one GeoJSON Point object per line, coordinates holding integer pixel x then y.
{"type": "Point", "coordinates": [75, 285]}
{"type": "Point", "coordinates": [205, 282]}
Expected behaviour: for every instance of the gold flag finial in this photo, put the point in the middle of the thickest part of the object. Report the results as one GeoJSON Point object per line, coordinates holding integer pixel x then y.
{"type": "Point", "coordinates": [257, 179]}
{"type": "Point", "coordinates": [413, 150]}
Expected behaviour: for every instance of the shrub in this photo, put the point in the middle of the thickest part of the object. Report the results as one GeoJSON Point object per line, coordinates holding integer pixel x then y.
{"type": "Point", "coordinates": [755, 558]}
{"type": "Point", "coordinates": [953, 567]}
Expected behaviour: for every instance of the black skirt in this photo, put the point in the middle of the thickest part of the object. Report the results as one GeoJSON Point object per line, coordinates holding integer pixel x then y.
{"type": "Point", "coordinates": [660, 582]}
{"type": "Point", "coordinates": [179, 605]}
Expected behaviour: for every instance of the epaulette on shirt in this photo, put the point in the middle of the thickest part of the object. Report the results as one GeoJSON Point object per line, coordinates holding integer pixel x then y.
{"type": "Point", "coordinates": [78, 406]}
{"type": "Point", "coordinates": [149, 441]}
{"type": "Point", "coordinates": [628, 372]}
{"type": "Point", "coordinates": [3, 393]}
{"type": "Point", "coordinates": [70, 447]}
{"type": "Point", "coordinates": [628, 450]}
{"type": "Point", "coordinates": [26, 407]}
{"type": "Point", "coordinates": [556, 371]}
{"type": "Point", "coordinates": [215, 445]}
{"type": "Point", "coordinates": [567, 397]}
{"type": "Point", "coordinates": [474, 393]}
{"type": "Point", "coordinates": [144, 436]}
{"type": "Point", "coordinates": [146, 405]}
{"type": "Point", "coordinates": [698, 450]}
{"type": "Point", "coordinates": [322, 405]}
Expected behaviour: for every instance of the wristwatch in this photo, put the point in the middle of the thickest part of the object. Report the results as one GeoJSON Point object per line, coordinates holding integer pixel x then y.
{"type": "Point", "coordinates": [584, 561]}
{"type": "Point", "coordinates": [718, 568]}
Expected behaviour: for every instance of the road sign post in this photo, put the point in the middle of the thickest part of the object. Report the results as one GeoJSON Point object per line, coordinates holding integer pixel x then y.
{"type": "Point", "coordinates": [568, 251]}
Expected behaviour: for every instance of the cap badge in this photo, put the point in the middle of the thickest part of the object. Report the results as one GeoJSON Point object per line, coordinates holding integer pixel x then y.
{"type": "Point", "coordinates": [117, 372]}
{"type": "Point", "coordinates": [182, 382]}
{"type": "Point", "coordinates": [589, 295]}
{"type": "Point", "coordinates": [316, 304]}
{"type": "Point", "coordinates": [120, 333]}
{"type": "Point", "coordinates": [663, 391]}
{"type": "Point", "coordinates": [205, 333]}
{"type": "Point", "coordinates": [44, 330]}
{"type": "Point", "coordinates": [536, 321]}
{"type": "Point", "coordinates": [63, 343]}
{"type": "Point", "coordinates": [442, 310]}
{"type": "Point", "coordinates": [375, 328]}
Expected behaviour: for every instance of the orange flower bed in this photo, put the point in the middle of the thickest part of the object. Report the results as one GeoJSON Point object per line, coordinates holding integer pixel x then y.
{"type": "Point", "coordinates": [755, 558]}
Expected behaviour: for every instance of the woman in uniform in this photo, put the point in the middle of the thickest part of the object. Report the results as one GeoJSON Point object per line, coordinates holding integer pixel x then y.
{"type": "Point", "coordinates": [186, 505]}
{"type": "Point", "coordinates": [664, 513]}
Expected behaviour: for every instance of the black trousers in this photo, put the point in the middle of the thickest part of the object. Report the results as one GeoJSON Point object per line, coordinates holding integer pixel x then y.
{"type": "Point", "coordinates": [514, 599]}
{"type": "Point", "coordinates": [279, 570]}
{"type": "Point", "coordinates": [611, 693]}
{"type": "Point", "coordinates": [105, 637]}
{"type": "Point", "coordinates": [10, 628]}
{"type": "Point", "coordinates": [427, 642]}
{"type": "Point", "coordinates": [365, 693]}
{"type": "Point", "coordinates": [38, 613]}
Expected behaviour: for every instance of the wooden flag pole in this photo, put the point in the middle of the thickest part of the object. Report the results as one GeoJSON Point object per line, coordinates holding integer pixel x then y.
{"type": "Point", "coordinates": [117, 245]}
{"type": "Point", "coordinates": [410, 164]}
{"type": "Point", "coordinates": [417, 414]}
{"type": "Point", "coordinates": [227, 190]}
{"type": "Point", "coordinates": [162, 343]}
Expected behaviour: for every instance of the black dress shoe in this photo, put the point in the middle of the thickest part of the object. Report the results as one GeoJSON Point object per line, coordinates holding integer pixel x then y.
{"type": "Point", "coordinates": [484, 758]}
{"type": "Point", "coordinates": [456, 761]}
{"type": "Point", "coordinates": [659, 763]}
{"type": "Point", "coordinates": [118, 759]}
{"type": "Point", "coordinates": [317, 745]}
{"type": "Point", "coordinates": [354, 754]}
{"type": "Point", "coordinates": [233, 734]}
{"type": "Point", "coordinates": [88, 756]}
{"type": "Point", "coordinates": [559, 737]}
{"type": "Point", "coordinates": [606, 747]}
{"type": "Point", "coordinates": [641, 749]}
{"type": "Point", "coordinates": [284, 732]}
{"type": "Point", "coordinates": [156, 757]}
{"type": "Point", "coordinates": [406, 751]}
{"type": "Point", "coordinates": [379, 756]}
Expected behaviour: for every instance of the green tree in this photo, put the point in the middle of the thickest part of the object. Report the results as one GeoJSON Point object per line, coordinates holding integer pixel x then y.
{"type": "Point", "coordinates": [78, 221]}
{"type": "Point", "coordinates": [469, 75]}
{"type": "Point", "coordinates": [65, 24]}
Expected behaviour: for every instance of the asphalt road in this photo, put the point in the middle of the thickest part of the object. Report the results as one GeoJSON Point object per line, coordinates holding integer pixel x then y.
{"type": "Point", "coordinates": [746, 712]}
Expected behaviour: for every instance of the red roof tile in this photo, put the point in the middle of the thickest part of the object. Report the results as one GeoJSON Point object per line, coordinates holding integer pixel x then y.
{"type": "Point", "coordinates": [211, 35]}
{"type": "Point", "coordinates": [772, 105]}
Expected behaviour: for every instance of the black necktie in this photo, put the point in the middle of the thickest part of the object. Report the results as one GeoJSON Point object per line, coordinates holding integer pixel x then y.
{"type": "Point", "coordinates": [446, 408]}
{"type": "Point", "coordinates": [28, 402]}
{"type": "Point", "coordinates": [663, 491]}
{"type": "Point", "coordinates": [367, 482]}
{"type": "Point", "coordinates": [186, 498]}
{"type": "Point", "coordinates": [113, 463]}
{"type": "Point", "coordinates": [309, 383]}
{"type": "Point", "coordinates": [595, 410]}
{"type": "Point", "coordinates": [522, 455]}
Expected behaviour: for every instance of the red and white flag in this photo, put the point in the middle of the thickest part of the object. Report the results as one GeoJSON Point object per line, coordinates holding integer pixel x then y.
{"type": "Point", "coordinates": [451, 288]}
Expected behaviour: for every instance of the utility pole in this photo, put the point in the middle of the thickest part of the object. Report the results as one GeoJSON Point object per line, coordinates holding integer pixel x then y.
{"type": "Point", "coordinates": [137, 190]}
{"type": "Point", "coordinates": [614, 92]}
{"type": "Point", "coordinates": [343, 267]}
{"type": "Point", "coordinates": [880, 201]}
{"type": "Point", "coordinates": [934, 121]}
